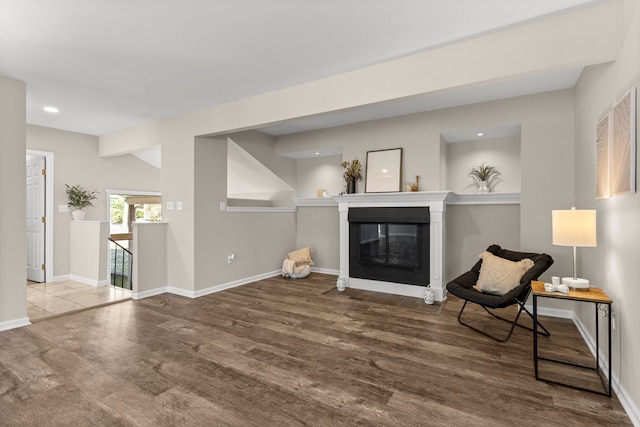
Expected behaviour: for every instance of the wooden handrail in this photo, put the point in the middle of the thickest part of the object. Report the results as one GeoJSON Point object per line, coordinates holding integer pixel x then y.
{"type": "Point", "coordinates": [121, 236]}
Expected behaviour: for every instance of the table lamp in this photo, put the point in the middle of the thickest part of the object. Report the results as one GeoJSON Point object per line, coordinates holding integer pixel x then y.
{"type": "Point", "coordinates": [574, 228]}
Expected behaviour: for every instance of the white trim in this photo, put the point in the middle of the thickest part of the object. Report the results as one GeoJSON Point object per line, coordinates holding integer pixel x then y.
{"type": "Point", "coordinates": [436, 202]}
{"type": "Point", "coordinates": [132, 192]}
{"type": "Point", "coordinates": [179, 291]}
{"type": "Point", "coordinates": [552, 312]}
{"type": "Point", "coordinates": [484, 199]}
{"type": "Point", "coordinates": [329, 271]}
{"type": "Point", "coordinates": [627, 403]}
{"type": "Point", "coordinates": [217, 288]}
{"type": "Point", "coordinates": [236, 283]}
{"type": "Point", "coordinates": [49, 211]}
{"type": "Point", "coordinates": [91, 282]}
{"type": "Point", "coordinates": [451, 198]}
{"type": "Point", "coordinates": [633, 412]}
{"type": "Point", "coordinates": [400, 199]}
{"type": "Point", "coordinates": [264, 209]}
{"type": "Point", "coordinates": [316, 201]}
{"type": "Point", "coordinates": [62, 278]}
{"type": "Point", "coordinates": [415, 291]}
{"type": "Point", "coordinates": [149, 293]}
{"type": "Point", "coordinates": [15, 323]}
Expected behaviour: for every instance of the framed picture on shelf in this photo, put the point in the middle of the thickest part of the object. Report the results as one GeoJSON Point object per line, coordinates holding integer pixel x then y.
{"type": "Point", "coordinates": [384, 171]}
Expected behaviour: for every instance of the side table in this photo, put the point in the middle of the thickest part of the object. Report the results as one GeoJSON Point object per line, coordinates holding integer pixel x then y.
{"type": "Point", "coordinates": [592, 295]}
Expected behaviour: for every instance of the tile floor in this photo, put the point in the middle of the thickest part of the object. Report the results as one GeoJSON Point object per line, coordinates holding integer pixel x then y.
{"type": "Point", "coordinates": [47, 300]}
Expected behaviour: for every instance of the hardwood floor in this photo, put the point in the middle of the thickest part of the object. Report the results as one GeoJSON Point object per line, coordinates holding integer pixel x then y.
{"type": "Point", "coordinates": [280, 352]}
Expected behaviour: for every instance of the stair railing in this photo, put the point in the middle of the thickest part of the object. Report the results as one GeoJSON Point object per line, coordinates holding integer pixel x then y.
{"type": "Point", "coordinates": [121, 265]}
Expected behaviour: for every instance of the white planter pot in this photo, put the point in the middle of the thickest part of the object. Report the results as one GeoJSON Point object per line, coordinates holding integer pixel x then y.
{"type": "Point", "coordinates": [78, 215]}
{"type": "Point", "coordinates": [483, 187]}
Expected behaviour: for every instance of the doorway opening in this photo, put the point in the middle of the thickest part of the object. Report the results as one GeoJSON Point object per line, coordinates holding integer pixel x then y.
{"type": "Point", "coordinates": [126, 207]}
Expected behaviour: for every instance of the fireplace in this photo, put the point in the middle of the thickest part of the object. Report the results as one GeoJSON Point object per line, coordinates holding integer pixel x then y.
{"type": "Point", "coordinates": [380, 237]}
{"type": "Point", "coordinates": [389, 244]}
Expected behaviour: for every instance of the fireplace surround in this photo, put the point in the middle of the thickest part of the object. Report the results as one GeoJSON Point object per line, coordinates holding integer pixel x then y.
{"type": "Point", "coordinates": [433, 244]}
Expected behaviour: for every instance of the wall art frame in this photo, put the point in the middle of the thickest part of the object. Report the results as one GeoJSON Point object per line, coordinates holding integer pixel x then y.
{"type": "Point", "coordinates": [616, 149]}
{"type": "Point", "coordinates": [384, 171]}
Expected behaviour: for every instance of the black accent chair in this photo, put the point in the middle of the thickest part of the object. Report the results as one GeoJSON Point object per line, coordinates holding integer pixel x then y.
{"type": "Point", "coordinates": [462, 287]}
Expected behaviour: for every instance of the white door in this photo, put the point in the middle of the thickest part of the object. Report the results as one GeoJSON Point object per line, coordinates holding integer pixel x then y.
{"type": "Point", "coordinates": [35, 218]}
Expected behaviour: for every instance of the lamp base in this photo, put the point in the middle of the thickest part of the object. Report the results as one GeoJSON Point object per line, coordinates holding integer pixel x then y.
{"type": "Point", "coordinates": [575, 283]}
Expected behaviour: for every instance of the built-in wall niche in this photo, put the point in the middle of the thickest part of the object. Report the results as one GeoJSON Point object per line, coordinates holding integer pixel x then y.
{"type": "Point", "coordinates": [499, 147]}
{"type": "Point", "coordinates": [252, 184]}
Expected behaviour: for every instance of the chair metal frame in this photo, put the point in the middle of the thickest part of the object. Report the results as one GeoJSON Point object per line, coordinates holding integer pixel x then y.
{"type": "Point", "coordinates": [513, 323]}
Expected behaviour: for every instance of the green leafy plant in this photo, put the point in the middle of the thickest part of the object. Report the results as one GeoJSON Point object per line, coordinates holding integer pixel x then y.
{"type": "Point", "coordinates": [79, 197]}
{"type": "Point", "coordinates": [352, 170]}
{"type": "Point", "coordinates": [484, 172]}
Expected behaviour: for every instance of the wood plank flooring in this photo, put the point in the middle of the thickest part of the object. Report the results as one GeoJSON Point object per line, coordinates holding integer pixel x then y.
{"type": "Point", "coordinates": [281, 353]}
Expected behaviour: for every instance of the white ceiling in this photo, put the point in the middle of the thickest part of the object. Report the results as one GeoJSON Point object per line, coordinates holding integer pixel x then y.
{"type": "Point", "coordinates": [114, 64]}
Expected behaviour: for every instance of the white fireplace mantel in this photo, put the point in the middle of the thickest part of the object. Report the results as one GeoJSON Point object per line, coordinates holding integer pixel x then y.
{"type": "Point", "coordinates": [436, 201]}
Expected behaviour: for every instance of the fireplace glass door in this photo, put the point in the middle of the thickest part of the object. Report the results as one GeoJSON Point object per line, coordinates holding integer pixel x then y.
{"type": "Point", "coordinates": [395, 245]}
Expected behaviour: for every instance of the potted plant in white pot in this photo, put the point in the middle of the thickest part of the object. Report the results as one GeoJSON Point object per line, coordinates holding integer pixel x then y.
{"type": "Point", "coordinates": [482, 175]}
{"type": "Point", "coordinates": [79, 198]}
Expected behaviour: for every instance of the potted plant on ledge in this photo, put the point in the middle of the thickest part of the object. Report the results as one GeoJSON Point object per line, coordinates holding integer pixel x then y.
{"type": "Point", "coordinates": [482, 175]}
{"type": "Point", "coordinates": [79, 198]}
{"type": "Point", "coordinates": [352, 173]}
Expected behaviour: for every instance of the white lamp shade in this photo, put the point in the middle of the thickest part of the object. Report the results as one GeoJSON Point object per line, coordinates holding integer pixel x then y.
{"type": "Point", "coordinates": [574, 227]}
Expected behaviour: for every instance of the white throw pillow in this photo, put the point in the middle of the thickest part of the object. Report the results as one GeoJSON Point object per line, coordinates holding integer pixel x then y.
{"type": "Point", "coordinates": [498, 275]}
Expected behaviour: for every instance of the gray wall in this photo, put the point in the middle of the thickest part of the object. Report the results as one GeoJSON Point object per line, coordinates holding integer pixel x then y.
{"type": "Point", "coordinates": [319, 173]}
{"type": "Point", "coordinates": [76, 161]}
{"type": "Point", "coordinates": [472, 228]}
{"type": "Point", "coordinates": [13, 228]}
{"type": "Point", "coordinates": [546, 151]}
{"type": "Point", "coordinates": [503, 153]}
{"type": "Point", "coordinates": [613, 264]}
{"type": "Point", "coordinates": [260, 241]}
{"type": "Point", "coordinates": [319, 228]}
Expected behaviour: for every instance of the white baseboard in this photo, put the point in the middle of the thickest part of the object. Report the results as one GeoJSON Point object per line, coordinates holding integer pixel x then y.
{"type": "Point", "coordinates": [62, 278]}
{"type": "Point", "coordinates": [414, 291]}
{"type": "Point", "coordinates": [627, 403]}
{"type": "Point", "coordinates": [15, 323]}
{"type": "Point", "coordinates": [217, 288]}
{"type": "Point", "coordinates": [325, 271]}
{"type": "Point", "coordinates": [202, 292]}
{"type": "Point", "coordinates": [91, 282]}
{"type": "Point", "coordinates": [149, 293]}
{"type": "Point", "coordinates": [552, 312]}
{"type": "Point", "coordinates": [235, 283]}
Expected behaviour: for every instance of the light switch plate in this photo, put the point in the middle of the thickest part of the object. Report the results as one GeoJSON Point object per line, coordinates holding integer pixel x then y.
{"type": "Point", "coordinates": [169, 206]}
{"type": "Point", "coordinates": [179, 206]}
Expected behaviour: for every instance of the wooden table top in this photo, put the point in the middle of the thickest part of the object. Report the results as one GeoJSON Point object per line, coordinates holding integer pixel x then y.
{"type": "Point", "coordinates": [591, 294]}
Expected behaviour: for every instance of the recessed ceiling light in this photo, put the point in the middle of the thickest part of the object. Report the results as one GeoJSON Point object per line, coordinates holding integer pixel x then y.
{"type": "Point", "coordinates": [317, 154]}
{"type": "Point", "coordinates": [480, 134]}
{"type": "Point", "coordinates": [50, 109]}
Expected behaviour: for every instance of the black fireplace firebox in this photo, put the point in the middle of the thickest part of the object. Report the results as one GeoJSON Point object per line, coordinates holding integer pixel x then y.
{"type": "Point", "coordinates": [389, 244]}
